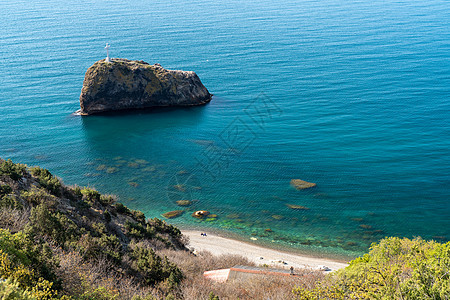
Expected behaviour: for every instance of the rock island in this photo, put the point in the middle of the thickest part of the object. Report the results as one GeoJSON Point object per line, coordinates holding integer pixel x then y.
{"type": "Point", "coordinates": [129, 84]}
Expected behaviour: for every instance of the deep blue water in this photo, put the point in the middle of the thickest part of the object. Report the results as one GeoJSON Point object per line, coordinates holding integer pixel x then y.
{"type": "Point", "coordinates": [351, 95]}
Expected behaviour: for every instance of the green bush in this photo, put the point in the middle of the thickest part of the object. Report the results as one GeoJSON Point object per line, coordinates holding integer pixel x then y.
{"type": "Point", "coordinates": [394, 268]}
{"type": "Point", "coordinates": [25, 261]}
{"type": "Point", "coordinates": [10, 290]}
{"type": "Point", "coordinates": [138, 215]}
{"type": "Point", "coordinates": [37, 196]}
{"type": "Point", "coordinates": [10, 201]}
{"type": "Point", "coordinates": [98, 293]}
{"type": "Point", "coordinates": [107, 216]}
{"type": "Point", "coordinates": [98, 228]}
{"type": "Point", "coordinates": [106, 200]}
{"type": "Point", "coordinates": [162, 226]}
{"type": "Point", "coordinates": [121, 209]}
{"type": "Point", "coordinates": [212, 296]}
{"type": "Point", "coordinates": [92, 247]}
{"type": "Point", "coordinates": [73, 193]}
{"type": "Point", "coordinates": [135, 230]}
{"type": "Point", "coordinates": [57, 226]}
{"type": "Point", "coordinates": [91, 196]}
{"type": "Point", "coordinates": [14, 171]}
{"type": "Point", "coordinates": [153, 267]}
{"type": "Point", "coordinates": [47, 180]}
{"type": "Point", "coordinates": [5, 190]}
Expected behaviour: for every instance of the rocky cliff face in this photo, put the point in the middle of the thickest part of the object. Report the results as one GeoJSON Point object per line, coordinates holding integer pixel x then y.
{"type": "Point", "coordinates": [125, 84]}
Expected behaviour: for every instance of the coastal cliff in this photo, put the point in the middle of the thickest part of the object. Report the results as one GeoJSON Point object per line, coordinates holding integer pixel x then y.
{"type": "Point", "coordinates": [129, 84]}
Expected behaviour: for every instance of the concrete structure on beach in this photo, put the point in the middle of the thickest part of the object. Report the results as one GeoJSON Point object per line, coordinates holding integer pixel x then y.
{"type": "Point", "coordinates": [245, 272]}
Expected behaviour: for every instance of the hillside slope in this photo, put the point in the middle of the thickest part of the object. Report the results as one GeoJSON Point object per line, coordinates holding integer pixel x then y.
{"type": "Point", "coordinates": [70, 239]}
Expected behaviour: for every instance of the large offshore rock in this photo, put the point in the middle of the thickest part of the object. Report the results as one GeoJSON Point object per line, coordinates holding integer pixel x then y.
{"type": "Point", "coordinates": [126, 84]}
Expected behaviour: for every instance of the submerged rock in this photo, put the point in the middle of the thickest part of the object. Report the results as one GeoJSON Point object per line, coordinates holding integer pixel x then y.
{"type": "Point", "coordinates": [112, 170]}
{"type": "Point", "coordinates": [357, 219]}
{"type": "Point", "coordinates": [297, 207]}
{"type": "Point", "coordinates": [149, 169]}
{"type": "Point", "coordinates": [101, 167]}
{"type": "Point", "coordinates": [126, 84]}
{"type": "Point", "coordinates": [133, 184]}
{"type": "Point", "coordinates": [180, 187]}
{"type": "Point", "coordinates": [233, 216]}
{"type": "Point", "coordinates": [301, 184]}
{"type": "Point", "coordinates": [184, 202]}
{"type": "Point", "coordinates": [365, 226]}
{"type": "Point", "coordinates": [133, 165]}
{"type": "Point", "coordinates": [173, 214]}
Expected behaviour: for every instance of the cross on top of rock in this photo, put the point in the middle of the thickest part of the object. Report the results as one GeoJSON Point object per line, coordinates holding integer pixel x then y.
{"type": "Point", "coordinates": [107, 59]}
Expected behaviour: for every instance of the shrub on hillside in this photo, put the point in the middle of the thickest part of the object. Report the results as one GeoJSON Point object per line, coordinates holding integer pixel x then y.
{"type": "Point", "coordinates": [10, 289]}
{"type": "Point", "coordinates": [57, 226]}
{"type": "Point", "coordinates": [47, 180]}
{"type": "Point", "coordinates": [394, 268]}
{"type": "Point", "coordinates": [138, 215]}
{"type": "Point", "coordinates": [7, 200]}
{"type": "Point", "coordinates": [107, 200]}
{"type": "Point", "coordinates": [23, 261]}
{"type": "Point", "coordinates": [121, 209]}
{"type": "Point", "coordinates": [92, 247]}
{"type": "Point", "coordinates": [10, 201]}
{"type": "Point", "coordinates": [37, 196]}
{"type": "Point", "coordinates": [162, 226]}
{"type": "Point", "coordinates": [14, 171]}
{"type": "Point", "coordinates": [5, 190]}
{"type": "Point", "coordinates": [154, 268]}
{"type": "Point", "coordinates": [91, 196]}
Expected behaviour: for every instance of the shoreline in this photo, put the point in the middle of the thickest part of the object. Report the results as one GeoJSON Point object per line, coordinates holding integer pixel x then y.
{"type": "Point", "coordinates": [218, 245]}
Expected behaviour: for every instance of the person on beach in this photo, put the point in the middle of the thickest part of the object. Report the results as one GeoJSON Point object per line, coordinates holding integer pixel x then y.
{"type": "Point", "coordinates": [292, 270]}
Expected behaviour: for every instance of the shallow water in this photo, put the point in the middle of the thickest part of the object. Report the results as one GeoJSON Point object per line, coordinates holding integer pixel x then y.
{"type": "Point", "coordinates": [352, 96]}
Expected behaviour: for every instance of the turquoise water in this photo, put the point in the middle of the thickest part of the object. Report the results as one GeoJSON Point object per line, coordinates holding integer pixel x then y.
{"type": "Point", "coordinates": [353, 96]}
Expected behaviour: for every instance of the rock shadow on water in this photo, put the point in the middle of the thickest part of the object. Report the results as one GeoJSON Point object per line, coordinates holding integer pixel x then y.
{"type": "Point", "coordinates": [102, 131]}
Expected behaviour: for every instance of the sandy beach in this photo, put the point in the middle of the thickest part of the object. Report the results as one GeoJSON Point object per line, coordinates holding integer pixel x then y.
{"type": "Point", "coordinates": [218, 245]}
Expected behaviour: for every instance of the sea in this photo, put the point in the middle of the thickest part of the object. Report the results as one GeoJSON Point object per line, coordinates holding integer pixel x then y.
{"type": "Point", "coordinates": [350, 95]}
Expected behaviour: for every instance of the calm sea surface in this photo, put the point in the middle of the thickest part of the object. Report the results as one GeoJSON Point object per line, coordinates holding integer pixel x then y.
{"type": "Point", "coordinates": [351, 95]}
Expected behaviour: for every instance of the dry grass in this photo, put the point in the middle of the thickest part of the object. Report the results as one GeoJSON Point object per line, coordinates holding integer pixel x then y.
{"type": "Point", "coordinates": [258, 287]}
{"type": "Point", "coordinates": [79, 276]}
{"type": "Point", "coordinates": [196, 287]}
{"type": "Point", "coordinates": [14, 219]}
{"type": "Point", "coordinates": [193, 265]}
